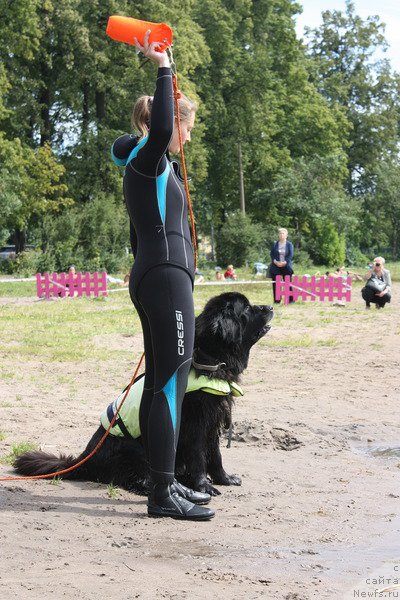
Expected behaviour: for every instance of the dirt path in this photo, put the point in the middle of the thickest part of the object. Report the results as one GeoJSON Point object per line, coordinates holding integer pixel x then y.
{"type": "Point", "coordinates": [316, 516]}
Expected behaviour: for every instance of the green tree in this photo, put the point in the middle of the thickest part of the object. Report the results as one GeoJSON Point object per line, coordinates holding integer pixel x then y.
{"type": "Point", "coordinates": [93, 236]}
{"type": "Point", "coordinates": [20, 39]}
{"type": "Point", "coordinates": [9, 203]}
{"type": "Point", "coordinates": [309, 192]}
{"type": "Point", "coordinates": [327, 246]}
{"type": "Point", "coordinates": [240, 240]}
{"type": "Point", "coordinates": [383, 207]}
{"type": "Point", "coordinates": [257, 93]}
{"type": "Point", "coordinates": [359, 85]}
{"type": "Point", "coordinates": [65, 85]}
{"type": "Point", "coordinates": [32, 187]}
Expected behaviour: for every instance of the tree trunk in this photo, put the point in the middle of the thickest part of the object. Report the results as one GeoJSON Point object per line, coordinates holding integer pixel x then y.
{"type": "Point", "coordinates": [85, 111]}
{"type": "Point", "coordinates": [394, 240]}
{"type": "Point", "coordinates": [100, 106]}
{"type": "Point", "coordinates": [45, 125]}
{"type": "Point", "coordinates": [297, 235]}
{"type": "Point", "coordinates": [20, 241]}
{"type": "Point", "coordinates": [30, 134]}
{"type": "Point", "coordinates": [241, 181]}
{"type": "Point", "coordinates": [212, 243]}
{"type": "Point", "coordinates": [102, 175]}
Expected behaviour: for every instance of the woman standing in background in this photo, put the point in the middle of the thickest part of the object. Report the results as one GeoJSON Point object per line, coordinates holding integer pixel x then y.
{"type": "Point", "coordinates": [281, 257]}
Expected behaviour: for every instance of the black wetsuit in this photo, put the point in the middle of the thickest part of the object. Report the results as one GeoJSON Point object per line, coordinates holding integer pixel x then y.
{"type": "Point", "coordinates": [161, 282]}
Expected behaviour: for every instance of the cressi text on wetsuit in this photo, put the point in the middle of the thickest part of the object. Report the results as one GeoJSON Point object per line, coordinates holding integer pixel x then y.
{"type": "Point", "coordinates": [161, 281]}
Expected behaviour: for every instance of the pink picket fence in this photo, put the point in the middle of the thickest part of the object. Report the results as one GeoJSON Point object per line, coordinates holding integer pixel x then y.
{"type": "Point", "coordinates": [68, 284]}
{"type": "Point", "coordinates": [321, 288]}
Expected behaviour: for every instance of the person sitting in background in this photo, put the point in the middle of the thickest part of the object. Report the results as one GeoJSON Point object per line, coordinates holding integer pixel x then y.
{"type": "Point", "coordinates": [111, 279]}
{"type": "Point", "coordinates": [199, 277]}
{"type": "Point", "coordinates": [219, 276]}
{"type": "Point", "coordinates": [260, 269]}
{"type": "Point", "coordinates": [71, 277]}
{"type": "Point", "coordinates": [327, 274]}
{"type": "Point", "coordinates": [281, 257]}
{"type": "Point", "coordinates": [341, 272]}
{"type": "Point", "coordinates": [354, 276]}
{"type": "Point", "coordinates": [116, 280]}
{"type": "Point", "coordinates": [230, 273]}
{"type": "Point", "coordinates": [378, 287]}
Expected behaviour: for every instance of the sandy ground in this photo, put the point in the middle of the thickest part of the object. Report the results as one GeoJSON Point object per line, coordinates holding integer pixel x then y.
{"type": "Point", "coordinates": [316, 516]}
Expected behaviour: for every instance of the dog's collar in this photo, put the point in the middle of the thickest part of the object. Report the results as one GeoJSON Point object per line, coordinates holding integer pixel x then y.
{"type": "Point", "coordinates": [205, 367]}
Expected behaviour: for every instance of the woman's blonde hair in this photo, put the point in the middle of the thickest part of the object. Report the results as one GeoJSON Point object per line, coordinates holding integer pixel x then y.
{"type": "Point", "coordinates": [381, 260]}
{"type": "Point", "coordinates": [141, 114]}
{"type": "Point", "coordinates": [283, 230]}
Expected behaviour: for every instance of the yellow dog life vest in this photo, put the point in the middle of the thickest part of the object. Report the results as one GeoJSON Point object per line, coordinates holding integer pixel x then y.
{"type": "Point", "coordinates": [128, 417]}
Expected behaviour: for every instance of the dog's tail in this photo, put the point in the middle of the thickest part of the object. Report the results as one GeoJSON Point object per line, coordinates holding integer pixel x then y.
{"type": "Point", "coordinates": [37, 462]}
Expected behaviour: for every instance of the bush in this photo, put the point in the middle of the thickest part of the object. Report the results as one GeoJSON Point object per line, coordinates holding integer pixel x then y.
{"type": "Point", "coordinates": [7, 266]}
{"type": "Point", "coordinates": [326, 246]}
{"type": "Point", "coordinates": [354, 257]}
{"type": "Point", "coordinates": [92, 237]}
{"type": "Point", "coordinates": [240, 241]}
{"type": "Point", "coordinates": [24, 264]}
{"type": "Point", "coordinates": [301, 257]}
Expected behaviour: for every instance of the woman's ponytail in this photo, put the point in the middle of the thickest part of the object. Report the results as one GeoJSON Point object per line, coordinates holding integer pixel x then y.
{"type": "Point", "coordinates": [140, 120]}
{"type": "Point", "coordinates": [141, 115]}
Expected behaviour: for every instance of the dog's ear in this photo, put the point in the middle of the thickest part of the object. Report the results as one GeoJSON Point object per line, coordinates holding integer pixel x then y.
{"type": "Point", "coordinates": [227, 326]}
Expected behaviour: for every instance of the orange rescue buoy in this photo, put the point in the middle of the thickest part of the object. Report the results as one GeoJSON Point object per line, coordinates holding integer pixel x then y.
{"type": "Point", "coordinates": [124, 29]}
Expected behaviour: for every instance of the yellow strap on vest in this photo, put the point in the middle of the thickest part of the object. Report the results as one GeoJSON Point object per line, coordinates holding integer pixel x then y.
{"type": "Point", "coordinates": [130, 409]}
{"type": "Point", "coordinates": [219, 387]}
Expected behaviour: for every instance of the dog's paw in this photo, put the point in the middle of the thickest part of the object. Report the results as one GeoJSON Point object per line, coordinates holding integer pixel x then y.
{"type": "Point", "coordinates": [206, 488]}
{"type": "Point", "coordinates": [228, 480]}
{"type": "Point", "coordinates": [210, 489]}
{"type": "Point", "coordinates": [234, 480]}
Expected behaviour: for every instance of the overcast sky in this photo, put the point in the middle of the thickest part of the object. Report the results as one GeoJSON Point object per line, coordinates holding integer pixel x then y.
{"type": "Point", "coordinates": [387, 10]}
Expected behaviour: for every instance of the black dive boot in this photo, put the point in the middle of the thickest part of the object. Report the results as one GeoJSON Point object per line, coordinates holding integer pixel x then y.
{"type": "Point", "coordinates": [165, 502]}
{"type": "Point", "coordinates": [189, 494]}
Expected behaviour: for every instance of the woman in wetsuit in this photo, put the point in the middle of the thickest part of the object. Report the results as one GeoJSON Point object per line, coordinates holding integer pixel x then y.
{"type": "Point", "coordinates": [161, 281]}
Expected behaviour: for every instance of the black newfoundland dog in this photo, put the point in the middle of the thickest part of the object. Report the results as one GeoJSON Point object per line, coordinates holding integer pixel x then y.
{"type": "Point", "coordinates": [225, 332]}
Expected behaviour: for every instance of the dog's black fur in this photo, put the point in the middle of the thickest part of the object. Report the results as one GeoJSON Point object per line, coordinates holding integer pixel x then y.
{"type": "Point", "coordinates": [225, 332]}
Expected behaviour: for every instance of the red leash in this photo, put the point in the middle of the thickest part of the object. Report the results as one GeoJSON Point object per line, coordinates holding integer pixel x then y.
{"type": "Point", "coordinates": [177, 95]}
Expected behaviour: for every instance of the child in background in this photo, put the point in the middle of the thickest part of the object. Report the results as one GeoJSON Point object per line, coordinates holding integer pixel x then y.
{"type": "Point", "coordinates": [230, 273]}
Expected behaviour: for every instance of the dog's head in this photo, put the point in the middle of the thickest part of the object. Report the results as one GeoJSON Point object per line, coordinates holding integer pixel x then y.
{"type": "Point", "coordinates": [228, 327]}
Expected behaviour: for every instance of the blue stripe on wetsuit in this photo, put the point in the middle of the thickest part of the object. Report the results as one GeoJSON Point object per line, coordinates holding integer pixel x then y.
{"type": "Point", "coordinates": [136, 149]}
{"type": "Point", "coordinates": [122, 162]}
{"type": "Point", "coordinates": [170, 393]}
{"type": "Point", "coordinates": [161, 182]}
